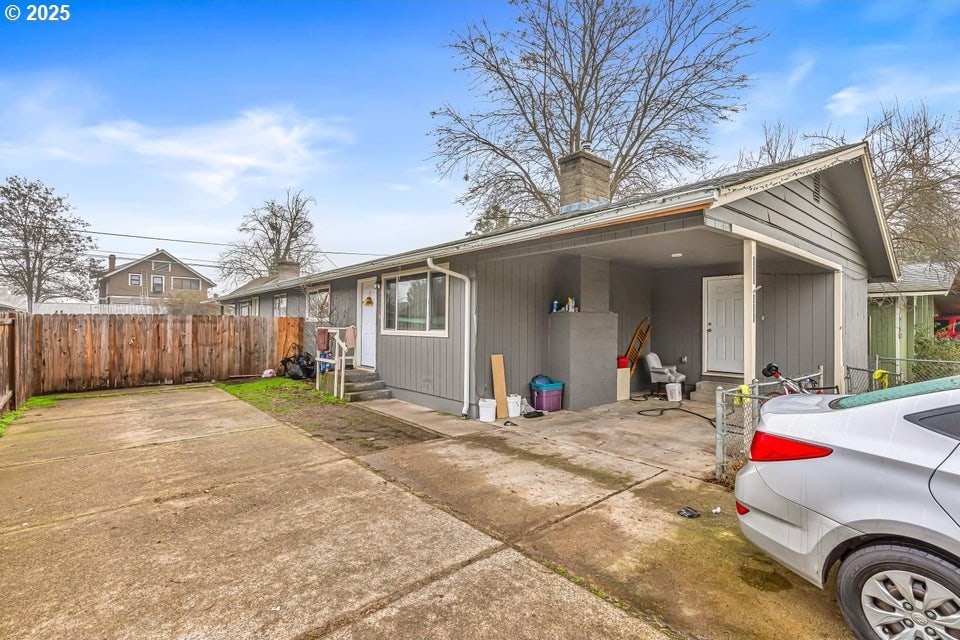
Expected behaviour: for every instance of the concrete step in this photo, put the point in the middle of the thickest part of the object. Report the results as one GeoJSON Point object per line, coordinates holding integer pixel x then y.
{"type": "Point", "coordinates": [359, 375]}
{"type": "Point", "coordinates": [708, 386]}
{"type": "Point", "coordinates": [703, 396]}
{"type": "Point", "coordinates": [373, 385]}
{"type": "Point", "coordinates": [362, 396]}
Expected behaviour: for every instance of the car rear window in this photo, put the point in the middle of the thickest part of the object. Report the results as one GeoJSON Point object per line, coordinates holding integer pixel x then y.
{"type": "Point", "coordinates": [944, 420]}
{"type": "Point", "coordinates": [895, 393]}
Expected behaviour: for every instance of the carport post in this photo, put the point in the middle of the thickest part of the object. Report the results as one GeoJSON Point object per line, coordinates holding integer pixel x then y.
{"type": "Point", "coordinates": [749, 310]}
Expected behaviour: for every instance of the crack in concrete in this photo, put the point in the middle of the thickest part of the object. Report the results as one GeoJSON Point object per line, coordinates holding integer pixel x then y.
{"type": "Point", "coordinates": [153, 443]}
{"type": "Point", "coordinates": [385, 601]}
{"type": "Point", "coordinates": [164, 498]}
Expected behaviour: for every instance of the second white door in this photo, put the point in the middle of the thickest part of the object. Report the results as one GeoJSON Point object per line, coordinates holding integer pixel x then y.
{"type": "Point", "coordinates": [723, 304]}
{"type": "Point", "coordinates": [368, 323]}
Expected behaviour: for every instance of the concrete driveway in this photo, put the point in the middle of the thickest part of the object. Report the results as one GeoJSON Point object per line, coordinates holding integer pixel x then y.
{"type": "Point", "coordinates": [185, 513]}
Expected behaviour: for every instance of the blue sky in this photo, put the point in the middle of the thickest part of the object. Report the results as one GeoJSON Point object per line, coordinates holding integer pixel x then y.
{"type": "Point", "coordinates": [174, 118]}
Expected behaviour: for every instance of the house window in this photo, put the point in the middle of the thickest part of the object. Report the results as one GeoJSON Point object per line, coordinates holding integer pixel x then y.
{"type": "Point", "coordinates": [415, 303]}
{"type": "Point", "coordinates": [156, 284]}
{"type": "Point", "coordinates": [318, 305]}
{"type": "Point", "coordinates": [189, 284]}
{"type": "Point", "coordinates": [161, 265]}
{"type": "Point", "coordinates": [243, 308]}
{"type": "Point", "coordinates": [134, 279]}
{"type": "Point", "coordinates": [280, 306]}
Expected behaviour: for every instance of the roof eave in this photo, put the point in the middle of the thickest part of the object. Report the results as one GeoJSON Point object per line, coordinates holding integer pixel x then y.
{"type": "Point", "coordinates": [622, 214]}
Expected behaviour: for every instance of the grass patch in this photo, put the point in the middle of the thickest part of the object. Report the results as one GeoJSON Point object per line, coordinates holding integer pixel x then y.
{"type": "Point", "coordinates": [278, 395]}
{"type": "Point", "coordinates": [352, 429]}
{"type": "Point", "coordinates": [33, 403]}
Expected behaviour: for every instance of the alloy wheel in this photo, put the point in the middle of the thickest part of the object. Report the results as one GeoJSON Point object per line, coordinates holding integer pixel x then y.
{"type": "Point", "coordinates": [904, 605]}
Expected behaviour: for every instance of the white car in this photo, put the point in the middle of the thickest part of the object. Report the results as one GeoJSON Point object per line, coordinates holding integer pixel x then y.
{"type": "Point", "coordinates": [869, 484]}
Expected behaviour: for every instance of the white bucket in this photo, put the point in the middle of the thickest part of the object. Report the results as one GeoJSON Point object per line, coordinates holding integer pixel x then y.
{"type": "Point", "coordinates": [488, 410]}
{"type": "Point", "coordinates": [513, 406]}
{"type": "Point", "coordinates": [674, 392]}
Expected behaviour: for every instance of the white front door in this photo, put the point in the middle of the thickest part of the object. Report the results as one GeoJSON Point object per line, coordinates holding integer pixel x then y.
{"type": "Point", "coordinates": [367, 316]}
{"type": "Point", "coordinates": [723, 324]}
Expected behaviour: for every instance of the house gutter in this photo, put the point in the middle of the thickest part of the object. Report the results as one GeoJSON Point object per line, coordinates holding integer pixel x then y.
{"type": "Point", "coordinates": [465, 412]}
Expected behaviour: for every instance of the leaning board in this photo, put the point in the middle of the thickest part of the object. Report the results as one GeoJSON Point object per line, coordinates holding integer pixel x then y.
{"type": "Point", "coordinates": [499, 384]}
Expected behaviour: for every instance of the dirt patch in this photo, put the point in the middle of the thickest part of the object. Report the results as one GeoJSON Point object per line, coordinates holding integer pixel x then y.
{"type": "Point", "coordinates": [350, 428]}
{"type": "Point", "coordinates": [700, 576]}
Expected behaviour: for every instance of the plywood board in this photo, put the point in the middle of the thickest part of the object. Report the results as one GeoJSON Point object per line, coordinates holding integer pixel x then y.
{"type": "Point", "coordinates": [499, 384]}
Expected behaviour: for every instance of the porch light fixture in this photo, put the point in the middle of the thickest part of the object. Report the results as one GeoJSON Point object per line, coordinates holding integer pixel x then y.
{"type": "Point", "coordinates": [676, 255]}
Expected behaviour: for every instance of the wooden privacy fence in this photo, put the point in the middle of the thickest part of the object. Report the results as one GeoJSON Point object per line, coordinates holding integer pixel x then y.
{"type": "Point", "coordinates": [16, 355]}
{"type": "Point", "coordinates": [64, 352]}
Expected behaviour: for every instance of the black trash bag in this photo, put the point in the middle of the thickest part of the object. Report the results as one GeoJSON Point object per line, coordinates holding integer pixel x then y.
{"type": "Point", "coordinates": [295, 371]}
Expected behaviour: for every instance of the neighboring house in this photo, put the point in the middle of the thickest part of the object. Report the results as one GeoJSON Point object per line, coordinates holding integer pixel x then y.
{"type": "Point", "coordinates": [764, 265]}
{"type": "Point", "coordinates": [899, 311]}
{"type": "Point", "coordinates": [149, 280]}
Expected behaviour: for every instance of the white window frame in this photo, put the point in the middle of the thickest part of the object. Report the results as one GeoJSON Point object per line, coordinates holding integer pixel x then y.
{"type": "Point", "coordinates": [163, 284]}
{"type": "Point", "coordinates": [309, 310]}
{"type": "Point", "coordinates": [431, 333]}
{"type": "Point", "coordinates": [285, 300]}
{"type": "Point", "coordinates": [241, 304]}
{"type": "Point", "coordinates": [131, 276]}
{"type": "Point", "coordinates": [154, 263]}
{"type": "Point", "coordinates": [197, 280]}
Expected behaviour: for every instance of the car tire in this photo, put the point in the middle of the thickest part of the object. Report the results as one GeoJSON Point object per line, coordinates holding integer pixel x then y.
{"type": "Point", "coordinates": [876, 570]}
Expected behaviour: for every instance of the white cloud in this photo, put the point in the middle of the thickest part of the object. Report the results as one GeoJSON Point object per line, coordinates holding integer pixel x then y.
{"type": "Point", "coordinates": [396, 186]}
{"type": "Point", "coordinates": [799, 72]}
{"type": "Point", "coordinates": [42, 122]}
{"type": "Point", "coordinates": [887, 85]}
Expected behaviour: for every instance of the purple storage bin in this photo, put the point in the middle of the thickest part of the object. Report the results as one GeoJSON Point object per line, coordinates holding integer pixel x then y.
{"type": "Point", "coordinates": [546, 400]}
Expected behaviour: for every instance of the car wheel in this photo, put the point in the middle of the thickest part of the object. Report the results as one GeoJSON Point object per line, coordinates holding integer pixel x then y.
{"type": "Point", "coordinates": [896, 592]}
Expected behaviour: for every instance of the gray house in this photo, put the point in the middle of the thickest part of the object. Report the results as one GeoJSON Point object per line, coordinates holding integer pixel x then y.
{"type": "Point", "coordinates": [770, 264]}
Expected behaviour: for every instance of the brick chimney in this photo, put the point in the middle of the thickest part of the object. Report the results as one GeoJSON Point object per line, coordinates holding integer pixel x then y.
{"type": "Point", "coordinates": [584, 180]}
{"type": "Point", "coordinates": [111, 262]}
{"type": "Point", "coordinates": [287, 269]}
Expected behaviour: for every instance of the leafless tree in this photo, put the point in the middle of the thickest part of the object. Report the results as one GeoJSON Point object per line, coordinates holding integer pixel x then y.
{"type": "Point", "coordinates": [642, 82]}
{"type": "Point", "coordinates": [916, 161]}
{"type": "Point", "coordinates": [273, 232]}
{"type": "Point", "coordinates": [780, 142]}
{"type": "Point", "coordinates": [189, 303]}
{"type": "Point", "coordinates": [43, 249]}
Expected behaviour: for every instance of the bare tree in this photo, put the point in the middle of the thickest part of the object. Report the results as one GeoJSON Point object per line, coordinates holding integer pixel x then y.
{"type": "Point", "coordinates": [642, 83]}
{"type": "Point", "coordinates": [189, 303]}
{"type": "Point", "coordinates": [779, 144]}
{"type": "Point", "coordinates": [43, 250]}
{"type": "Point", "coordinates": [273, 232]}
{"type": "Point", "coordinates": [916, 161]}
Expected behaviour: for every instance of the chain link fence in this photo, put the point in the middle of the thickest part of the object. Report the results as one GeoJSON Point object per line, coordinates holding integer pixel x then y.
{"type": "Point", "coordinates": [738, 412]}
{"type": "Point", "coordinates": [909, 370]}
{"type": "Point", "coordinates": [862, 380]}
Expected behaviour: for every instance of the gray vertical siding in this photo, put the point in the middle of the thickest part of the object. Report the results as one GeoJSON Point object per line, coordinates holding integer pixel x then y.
{"type": "Point", "coordinates": [431, 367]}
{"type": "Point", "coordinates": [630, 293]}
{"type": "Point", "coordinates": [789, 213]}
{"type": "Point", "coordinates": [513, 305]}
{"type": "Point", "coordinates": [795, 322]}
{"type": "Point", "coordinates": [855, 324]}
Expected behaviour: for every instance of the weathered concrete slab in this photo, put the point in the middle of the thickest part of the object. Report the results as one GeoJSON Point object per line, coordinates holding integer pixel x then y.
{"type": "Point", "coordinates": [34, 494]}
{"type": "Point", "coordinates": [64, 434]}
{"type": "Point", "coordinates": [94, 404]}
{"type": "Point", "coordinates": [443, 423]}
{"type": "Point", "coordinates": [266, 559]}
{"type": "Point", "coordinates": [700, 576]}
{"type": "Point", "coordinates": [508, 483]}
{"type": "Point", "coordinates": [677, 441]}
{"type": "Point", "coordinates": [504, 596]}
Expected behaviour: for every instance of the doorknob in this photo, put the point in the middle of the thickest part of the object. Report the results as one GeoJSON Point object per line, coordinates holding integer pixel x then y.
{"type": "Point", "coordinates": [709, 330]}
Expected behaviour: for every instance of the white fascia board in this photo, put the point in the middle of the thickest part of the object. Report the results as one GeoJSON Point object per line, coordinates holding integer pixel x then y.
{"type": "Point", "coordinates": [736, 192]}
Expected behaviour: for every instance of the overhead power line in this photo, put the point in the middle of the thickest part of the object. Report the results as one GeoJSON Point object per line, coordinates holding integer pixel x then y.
{"type": "Point", "coordinates": [207, 242]}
